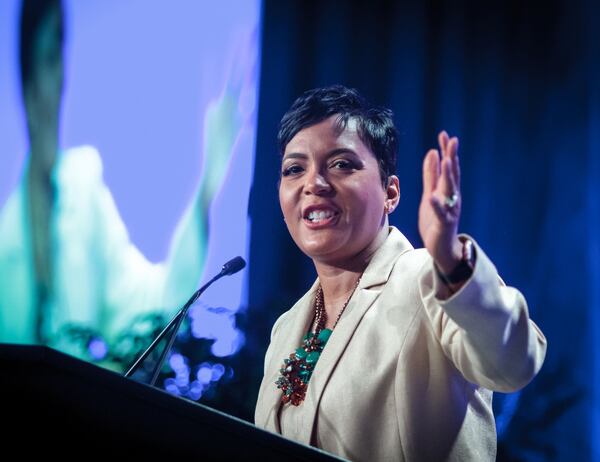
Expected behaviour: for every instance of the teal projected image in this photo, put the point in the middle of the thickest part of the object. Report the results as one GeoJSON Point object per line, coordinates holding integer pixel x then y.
{"type": "Point", "coordinates": [129, 161]}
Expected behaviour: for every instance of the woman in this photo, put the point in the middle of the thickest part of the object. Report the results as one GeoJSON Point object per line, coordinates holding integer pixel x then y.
{"type": "Point", "coordinates": [404, 346]}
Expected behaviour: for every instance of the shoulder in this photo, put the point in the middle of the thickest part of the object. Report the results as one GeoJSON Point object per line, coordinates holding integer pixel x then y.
{"type": "Point", "coordinates": [401, 249]}
{"type": "Point", "coordinates": [280, 320]}
{"type": "Point", "coordinates": [410, 265]}
{"type": "Point", "coordinates": [414, 258]}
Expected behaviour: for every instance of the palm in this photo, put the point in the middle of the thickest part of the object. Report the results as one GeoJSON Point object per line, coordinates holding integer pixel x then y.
{"type": "Point", "coordinates": [438, 218]}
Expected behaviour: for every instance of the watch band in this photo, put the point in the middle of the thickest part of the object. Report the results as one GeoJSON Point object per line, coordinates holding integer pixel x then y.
{"type": "Point", "coordinates": [464, 269]}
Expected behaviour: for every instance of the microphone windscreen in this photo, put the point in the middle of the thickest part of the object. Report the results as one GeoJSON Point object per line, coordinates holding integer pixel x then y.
{"type": "Point", "coordinates": [233, 266]}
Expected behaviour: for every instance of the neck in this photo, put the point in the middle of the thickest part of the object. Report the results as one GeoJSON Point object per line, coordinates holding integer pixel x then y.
{"type": "Point", "coordinates": [338, 279]}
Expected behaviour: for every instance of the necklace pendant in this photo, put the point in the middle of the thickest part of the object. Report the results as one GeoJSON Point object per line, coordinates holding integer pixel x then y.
{"type": "Point", "coordinates": [295, 374]}
{"type": "Point", "coordinates": [298, 368]}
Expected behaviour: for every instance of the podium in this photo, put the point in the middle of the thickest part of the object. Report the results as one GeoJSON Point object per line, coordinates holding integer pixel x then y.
{"type": "Point", "coordinates": [53, 404]}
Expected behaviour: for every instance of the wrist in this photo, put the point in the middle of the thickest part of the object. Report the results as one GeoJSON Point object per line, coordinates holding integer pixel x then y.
{"type": "Point", "coordinates": [447, 260]}
{"type": "Point", "coordinates": [461, 269]}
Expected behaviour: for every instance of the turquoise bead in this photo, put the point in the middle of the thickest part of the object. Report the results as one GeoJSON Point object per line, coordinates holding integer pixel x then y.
{"type": "Point", "coordinates": [324, 335]}
{"type": "Point", "coordinates": [304, 375]}
{"type": "Point", "coordinates": [312, 357]}
{"type": "Point", "coordinates": [301, 353]}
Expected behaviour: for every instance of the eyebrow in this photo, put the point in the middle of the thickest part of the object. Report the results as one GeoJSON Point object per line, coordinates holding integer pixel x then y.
{"type": "Point", "coordinates": [334, 152]}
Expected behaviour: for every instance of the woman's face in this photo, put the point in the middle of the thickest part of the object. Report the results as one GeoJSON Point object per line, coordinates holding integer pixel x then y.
{"type": "Point", "coordinates": [331, 193]}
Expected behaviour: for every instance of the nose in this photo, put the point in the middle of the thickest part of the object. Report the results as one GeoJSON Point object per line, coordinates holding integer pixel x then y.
{"type": "Point", "coordinates": [316, 183]}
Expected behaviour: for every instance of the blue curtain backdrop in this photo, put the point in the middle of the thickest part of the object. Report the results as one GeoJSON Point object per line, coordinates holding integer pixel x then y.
{"type": "Point", "coordinates": [517, 82]}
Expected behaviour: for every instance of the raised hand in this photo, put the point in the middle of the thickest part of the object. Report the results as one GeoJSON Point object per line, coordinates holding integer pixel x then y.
{"type": "Point", "coordinates": [439, 211]}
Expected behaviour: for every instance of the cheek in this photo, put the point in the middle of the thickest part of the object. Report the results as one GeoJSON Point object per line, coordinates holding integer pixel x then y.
{"type": "Point", "coordinates": [286, 203]}
{"type": "Point", "coordinates": [366, 203]}
{"type": "Point", "coordinates": [367, 218]}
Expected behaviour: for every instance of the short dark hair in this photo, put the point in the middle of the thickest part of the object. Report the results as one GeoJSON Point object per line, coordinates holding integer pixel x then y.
{"type": "Point", "coordinates": [33, 13]}
{"type": "Point", "coordinates": [375, 125]}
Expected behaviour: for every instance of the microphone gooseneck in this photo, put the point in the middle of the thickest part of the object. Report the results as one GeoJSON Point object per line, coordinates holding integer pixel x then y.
{"type": "Point", "coordinates": [231, 267]}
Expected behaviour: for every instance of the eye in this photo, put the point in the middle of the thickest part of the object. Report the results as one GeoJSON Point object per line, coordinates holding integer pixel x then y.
{"type": "Point", "coordinates": [343, 164]}
{"type": "Point", "coordinates": [291, 170]}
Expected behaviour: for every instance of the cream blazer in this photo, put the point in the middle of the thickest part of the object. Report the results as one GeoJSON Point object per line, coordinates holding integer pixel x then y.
{"type": "Point", "coordinates": [406, 376]}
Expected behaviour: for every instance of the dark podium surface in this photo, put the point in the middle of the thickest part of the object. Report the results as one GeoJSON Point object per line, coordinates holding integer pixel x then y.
{"type": "Point", "coordinates": [54, 404]}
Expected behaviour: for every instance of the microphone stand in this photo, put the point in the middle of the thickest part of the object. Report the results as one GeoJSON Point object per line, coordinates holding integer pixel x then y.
{"type": "Point", "coordinates": [231, 267]}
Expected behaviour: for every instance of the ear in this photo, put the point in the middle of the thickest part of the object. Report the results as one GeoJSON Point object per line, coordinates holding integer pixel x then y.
{"type": "Point", "coordinates": [392, 194]}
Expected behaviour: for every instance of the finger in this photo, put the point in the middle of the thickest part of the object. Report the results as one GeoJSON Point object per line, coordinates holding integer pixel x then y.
{"type": "Point", "coordinates": [453, 151]}
{"type": "Point", "coordinates": [448, 180]}
{"type": "Point", "coordinates": [431, 171]}
{"type": "Point", "coordinates": [443, 141]}
{"type": "Point", "coordinates": [446, 186]}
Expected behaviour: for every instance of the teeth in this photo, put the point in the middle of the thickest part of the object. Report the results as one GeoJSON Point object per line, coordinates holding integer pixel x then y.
{"type": "Point", "coordinates": [316, 216]}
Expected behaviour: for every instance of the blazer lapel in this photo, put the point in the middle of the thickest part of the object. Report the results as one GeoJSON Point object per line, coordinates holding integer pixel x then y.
{"type": "Point", "coordinates": [295, 326]}
{"type": "Point", "coordinates": [297, 323]}
{"type": "Point", "coordinates": [370, 287]}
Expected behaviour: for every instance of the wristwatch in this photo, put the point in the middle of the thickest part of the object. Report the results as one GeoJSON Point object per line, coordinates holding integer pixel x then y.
{"type": "Point", "coordinates": [464, 269]}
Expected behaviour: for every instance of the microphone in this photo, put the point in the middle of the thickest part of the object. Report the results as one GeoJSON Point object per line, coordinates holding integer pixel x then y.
{"type": "Point", "coordinates": [231, 267]}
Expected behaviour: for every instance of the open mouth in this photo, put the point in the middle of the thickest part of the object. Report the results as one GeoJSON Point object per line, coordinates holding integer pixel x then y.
{"type": "Point", "coordinates": [321, 217]}
{"type": "Point", "coordinates": [317, 216]}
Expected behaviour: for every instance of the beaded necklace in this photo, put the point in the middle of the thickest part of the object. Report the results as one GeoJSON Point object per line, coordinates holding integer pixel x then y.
{"type": "Point", "coordinates": [298, 368]}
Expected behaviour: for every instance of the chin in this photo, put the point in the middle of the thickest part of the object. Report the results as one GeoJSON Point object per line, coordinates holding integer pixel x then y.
{"type": "Point", "coordinates": [324, 250]}
{"type": "Point", "coordinates": [315, 250]}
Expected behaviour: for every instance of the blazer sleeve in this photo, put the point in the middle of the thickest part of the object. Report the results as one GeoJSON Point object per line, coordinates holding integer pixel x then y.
{"type": "Point", "coordinates": [484, 328]}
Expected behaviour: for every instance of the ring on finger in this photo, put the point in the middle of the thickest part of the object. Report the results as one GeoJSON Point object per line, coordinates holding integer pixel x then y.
{"type": "Point", "coordinates": [451, 201]}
